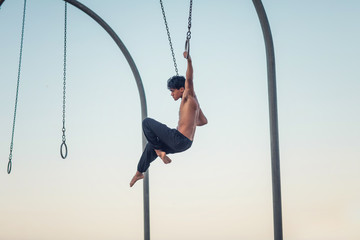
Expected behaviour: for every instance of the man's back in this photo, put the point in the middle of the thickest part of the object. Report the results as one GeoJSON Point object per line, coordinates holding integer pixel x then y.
{"type": "Point", "coordinates": [188, 115]}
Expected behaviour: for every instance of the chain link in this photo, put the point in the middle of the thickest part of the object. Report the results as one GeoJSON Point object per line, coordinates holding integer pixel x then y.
{"type": "Point", "coordinates": [188, 34]}
{"type": "Point", "coordinates": [63, 144]}
{"type": "Point", "coordinates": [169, 38]}
{"type": "Point", "coordinates": [17, 90]}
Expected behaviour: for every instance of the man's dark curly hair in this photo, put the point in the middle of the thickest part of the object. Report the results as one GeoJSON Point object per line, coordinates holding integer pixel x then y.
{"type": "Point", "coordinates": [176, 82]}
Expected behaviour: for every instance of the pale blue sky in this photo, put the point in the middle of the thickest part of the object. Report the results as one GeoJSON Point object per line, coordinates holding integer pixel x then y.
{"type": "Point", "coordinates": [221, 187]}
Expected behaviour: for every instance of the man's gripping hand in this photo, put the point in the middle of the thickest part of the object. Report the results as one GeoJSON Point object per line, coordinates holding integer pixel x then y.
{"type": "Point", "coordinates": [186, 54]}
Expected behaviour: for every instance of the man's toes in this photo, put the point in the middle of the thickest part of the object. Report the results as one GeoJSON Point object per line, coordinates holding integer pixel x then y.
{"type": "Point", "coordinates": [166, 159]}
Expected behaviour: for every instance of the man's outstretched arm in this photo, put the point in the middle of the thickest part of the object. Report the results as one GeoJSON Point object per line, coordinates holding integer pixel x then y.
{"type": "Point", "coordinates": [189, 85]}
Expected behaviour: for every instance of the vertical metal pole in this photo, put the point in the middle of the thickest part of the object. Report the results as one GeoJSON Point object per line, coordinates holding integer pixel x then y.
{"type": "Point", "coordinates": [146, 206]}
{"type": "Point", "coordinates": [274, 131]}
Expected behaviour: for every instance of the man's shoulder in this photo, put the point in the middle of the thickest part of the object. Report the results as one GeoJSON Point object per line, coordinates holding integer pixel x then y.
{"type": "Point", "coordinates": [189, 100]}
{"type": "Point", "coordinates": [189, 97]}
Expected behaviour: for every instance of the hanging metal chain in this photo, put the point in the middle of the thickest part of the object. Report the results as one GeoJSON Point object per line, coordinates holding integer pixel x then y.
{"type": "Point", "coordinates": [168, 33]}
{"type": "Point", "coordinates": [63, 146]}
{"type": "Point", "coordinates": [188, 34]}
{"type": "Point", "coordinates": [17, 91]}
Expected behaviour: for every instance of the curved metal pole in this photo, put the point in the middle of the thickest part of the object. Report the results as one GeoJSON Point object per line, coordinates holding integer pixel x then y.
{"type": "Point", "coordinates": [140, 86]}
{"type": "Point", "coordinates": [274, 131]}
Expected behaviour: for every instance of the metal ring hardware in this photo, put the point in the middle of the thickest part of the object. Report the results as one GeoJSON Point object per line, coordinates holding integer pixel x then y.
{"type": "Point", "coordinates": [187, 47]}
{"type": "Point", "coordinates": [9, 167]}
{"type": "Point", "coordinates": [62, 147]}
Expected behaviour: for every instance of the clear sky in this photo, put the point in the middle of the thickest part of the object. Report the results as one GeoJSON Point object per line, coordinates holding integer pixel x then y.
{"type": "Point", "coordinates": [221, 187]}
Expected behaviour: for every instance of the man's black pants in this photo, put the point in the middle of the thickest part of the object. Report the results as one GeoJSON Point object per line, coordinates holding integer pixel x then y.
{"type": "Point", "coordinates": [160, 137]}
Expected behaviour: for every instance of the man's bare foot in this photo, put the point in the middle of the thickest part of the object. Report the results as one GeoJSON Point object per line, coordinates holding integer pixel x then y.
{"type": "Point", "coordinates": [138, 176]}
{"type": "Point", "coordinates": [163, 156]}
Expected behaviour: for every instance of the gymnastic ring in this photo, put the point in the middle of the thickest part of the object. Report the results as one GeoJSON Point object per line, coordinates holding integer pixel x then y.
{"type": "Point", "coordinates": [61, 150]}
{"type": "Point", "coordinates": [187, 48]}
{"type": "Point", "coordinates": [9, 167]}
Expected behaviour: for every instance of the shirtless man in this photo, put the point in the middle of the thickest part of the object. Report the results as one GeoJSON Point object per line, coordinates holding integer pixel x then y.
{"type": "Point", "coordinates": [163, 140]}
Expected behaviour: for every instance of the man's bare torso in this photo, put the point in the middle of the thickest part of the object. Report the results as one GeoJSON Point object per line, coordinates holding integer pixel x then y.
{"type": "Point", "coordinates": [188, 115]}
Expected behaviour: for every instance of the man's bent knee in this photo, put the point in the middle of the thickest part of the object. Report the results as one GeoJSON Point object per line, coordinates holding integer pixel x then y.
{"type": "Point", "coordinates": [146, 122]}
